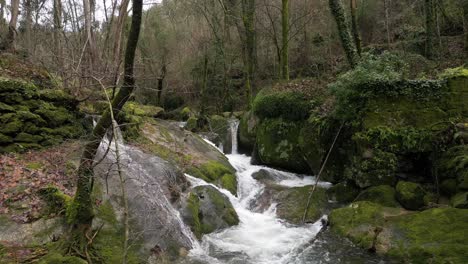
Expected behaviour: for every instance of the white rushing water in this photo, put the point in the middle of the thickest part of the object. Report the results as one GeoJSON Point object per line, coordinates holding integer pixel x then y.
{"type": "Point", "coordinates": [259, 238]}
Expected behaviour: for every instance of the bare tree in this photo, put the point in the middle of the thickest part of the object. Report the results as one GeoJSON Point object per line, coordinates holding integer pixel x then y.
{"type": "Point", "coordinates": [10, 41]}
{"type": "Point", "coordinates": [354, 26]}
{"type": "Point", "coordinates": [285, 39]}
{"type": "Point", "coordinates": [82, 207]}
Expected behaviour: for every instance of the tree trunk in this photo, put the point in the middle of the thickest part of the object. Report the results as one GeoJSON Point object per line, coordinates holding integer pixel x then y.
{"type": "Point", "coordinates": [337, 11]}
{"type": "Point", "coordinates": [161, 82]}
{"type": "Point", "coordinates": [58, 29]}
{"type": "Point", "coordinates": [10, 41]}
{"type": "Point", "coordinates": [89, 35]}
{"type": "Point", "coordinates": [117, 33]}
{"type": "Point", "coordinates": [82, 208]}
{"type": "Point", "coordinates": [285, 40]}
{"type": "Point", "coordinates": [248, 18]}
{"type": "Point", "coordinates": [354, 26]}
{"type": "Point", "coordinates": [387, 22]}
{"type": "Point", "coordinates": [28, 25]}
{"type": "Point", "coordinates": [465, 24]}
{"type": "Point", "coordinates": [430, 28]}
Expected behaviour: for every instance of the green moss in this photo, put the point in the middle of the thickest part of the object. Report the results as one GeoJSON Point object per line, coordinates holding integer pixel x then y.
{"type": "Point", "coordinates": [288, 105]}
{"type": "Point", "coordinates": [383, 195]}
{"type": "Point", "coordinates": [57, 201]}
{"type": "Point", "coordinates": [192, 124]}
{"type": "Point", "coordinates": [134, 108]}
{"type": "Point", "coordinates": [194, 207]}
{"type": "Point", "coordinates": [248, 131]}
{"type": "Point", "coordinates": [56, 258]}
{"type": "Point", "coordinates": [28, 138]}
{"type": "Point", "coordinates": [343, 192]}
{"type": "Point", "coordinates": [218, 173]}
{"type": "Point", "coordinates": [292, 203]}
{"type": "Point", "coordinates": [6, 108]}
{"type": "Point", "coordinates": [357, 222]}
{"type": "Point", "coordinates": [55, 116]}
{"type": "Point", "coordinates": [34, 165]}
{"type": "Point", "coordinates": [379, 169]}
{"type": "Point", "coordinates": [454, 72]}
{"type": "Point", "coordinates": [460, 200]}
{"type": "Point", "coordinates": [278, 146]}
{"type": "Point", "coordinates": [432, 236]}
{"type": "Point", "coordinates": [12, 127]}
{"type": "Point", "coordinates": [4, 139]}
{"type": "Point", "coordinates": [410, 195]}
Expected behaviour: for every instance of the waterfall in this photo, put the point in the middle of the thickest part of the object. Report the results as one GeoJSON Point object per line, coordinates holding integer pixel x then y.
{"type": "Point", "coordinates": [234, 125]}
{"type": "Point", "coordinates": [260, 237]}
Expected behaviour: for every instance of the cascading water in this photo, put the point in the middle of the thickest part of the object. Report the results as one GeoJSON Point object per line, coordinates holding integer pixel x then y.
{"type": "Point", "coordinates": [260, 237]}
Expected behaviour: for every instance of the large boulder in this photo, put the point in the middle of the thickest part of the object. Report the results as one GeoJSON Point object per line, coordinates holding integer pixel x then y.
{"type": "Point", "coordinates": [383, 195]}
{"type": "Point", "coordinates": [410, 195]}
{"type": "Point", "coordinates": [431, 236]}
{"type": "Point", "coordinates": [292, 203]}
{"type": "Point", "coordinates": [343, 192]}
{"type": "Point", "coordinates": [247, 132]}
{"type": "Point", "coordinates": [207, 210]}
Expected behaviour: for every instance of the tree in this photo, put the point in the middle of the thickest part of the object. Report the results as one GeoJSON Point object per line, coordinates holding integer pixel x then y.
{"type": "Point", "coordinates": [248, 18]}
{"type": "Point", "coordinates": [81, 210]}
{"type": "Point", "coordinates": [430, 27]}
{"type": "Point", "coordinates": [90, 44]}
{"type": "Point", "coordinates": [285, 40]}
{"type": "Point", "coordinates": [337, 11]}
{"type": "Point", "coordinates": [465, 24]}
{"type": "Point", "coordinates": [10, 41]}
{"type": "Point", "coordinates": [354, 26]}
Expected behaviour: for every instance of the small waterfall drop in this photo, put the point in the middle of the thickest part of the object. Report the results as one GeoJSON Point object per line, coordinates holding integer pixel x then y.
{"type": "Point", "coordinates": [260, 237]}
{"type": "Point", "coordinates": [234, 125]}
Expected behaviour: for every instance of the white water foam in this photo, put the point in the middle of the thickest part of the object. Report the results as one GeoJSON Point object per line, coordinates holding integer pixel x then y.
{"type": "Point", "coordinates": [260, 237]}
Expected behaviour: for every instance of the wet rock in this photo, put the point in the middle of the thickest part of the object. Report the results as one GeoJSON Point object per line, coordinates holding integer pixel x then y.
{"type": "Point", "coordinates": [410, 195]}
{"type": "Point", "coordinates": [207, 210]}
{"type": "Point", "coordinates": [39, 232]}
{"type": "Point", "coordinates": [343, 192]}
{"type": "Point", "coordinates": [431, 236]}
{"type": "Point", "coordinates": [247, 132]}
{"type": "Point", "coordinates": [383, 195]}
{"type": "Point", "coordinates": [460, 200]}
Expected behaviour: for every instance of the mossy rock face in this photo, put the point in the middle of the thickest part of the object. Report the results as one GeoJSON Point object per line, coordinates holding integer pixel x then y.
{"type": "Point", "coordinates": [410, 195]}
{"type": "Point", "coordinates": [278, 146]}
{"type": "Point", "coordinates": [292, 203]}
{"type": "Point", "coordinates": [217, 173]}
{"type": "Point", "coordinates": [431, 236]}
{"type": "Point", "coordinates": [247, 132]}
{"type": "Point", "coordinates": [448, 187]}
{"type": "Point", "coordinates": [221, 127]}
{"type": "Point", "coordinates": [32, 117]}
{"type": "Point", "coordinates": [343, 192]}
{"type": "Point", "coordinates": [460, 200]}
{"type": "Point", "coordinates": [377, 169]}
{"type": "Point", "coordinates": [383, 195]}
{"type": "Point", "coordinates": [207, 210]}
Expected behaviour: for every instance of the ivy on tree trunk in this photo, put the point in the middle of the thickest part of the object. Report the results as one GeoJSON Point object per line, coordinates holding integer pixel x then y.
{"type": "Point", "coordinates": [337, 11]}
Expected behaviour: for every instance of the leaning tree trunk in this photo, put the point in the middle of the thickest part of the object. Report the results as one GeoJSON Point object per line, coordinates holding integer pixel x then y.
{"type": "Point", "coordinates": [430, 28]}
{"type": "Point", "coordinates": [10, 41]}
{"type": "Point", "coordinates": [337, 11]}
{"type": "Point", "coordinates": [285, 40]}
{"type": "Point", "coordinates": [354, 26]}
{"type": "Point", "coordinates": [82, 213]}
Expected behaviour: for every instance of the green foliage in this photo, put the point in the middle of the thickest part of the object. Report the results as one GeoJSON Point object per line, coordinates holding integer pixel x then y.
{"type": "Point", "coordinates": [343, 192]}
{"type": "Point", "coordinates": [454, 164]}
{"type": "Point", "coordinates": [379, 76]}
{"type": "Point", "coordinates": [401, 141]}
{"type": "Point", "coordinates": [288, 105]}
{"type": "Point", "coordinates": [379, 169]}
{"type": "Point", "coordinates": [172, 102]}
{"type": "Point", "coordinates": [454, 72]}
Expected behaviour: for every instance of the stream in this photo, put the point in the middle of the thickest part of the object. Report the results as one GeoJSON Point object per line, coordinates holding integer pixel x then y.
{"type": "Point", "coordinates": [263, 238]}
{"type": "Point", "coordinates": [260, 238]}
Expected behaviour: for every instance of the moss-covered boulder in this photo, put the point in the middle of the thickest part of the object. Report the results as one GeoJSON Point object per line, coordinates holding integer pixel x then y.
{"type": "Point", "coordinates": [207, 210]}
{"type": "Point", "coordinates": [343, 192]}
{"type": "Point", "coordinates": [247, 132]}
{"type": "Point", "coordinates": [383, 195]}
{"type": "Point", "coordinates": [217, 173]}
{"type": "Point", "coordinates": [33, 117]}
{"type": "Point", "coordinates": [292, 203]}
{"type": "Point", "coordinates": [460, 200]}
{"type": "Point", "coordinates": [448, 187]}
{"type": "Point", "coordinates": [278, 146]}
{"type": "Point", "coordinates": [431, 236]}
{"type": "Point", "coordinates": [220, 126]}
{"type": "Point", "coordinates": [410, 195]}
{"type": "Point", "coordinates": [373, 169]}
